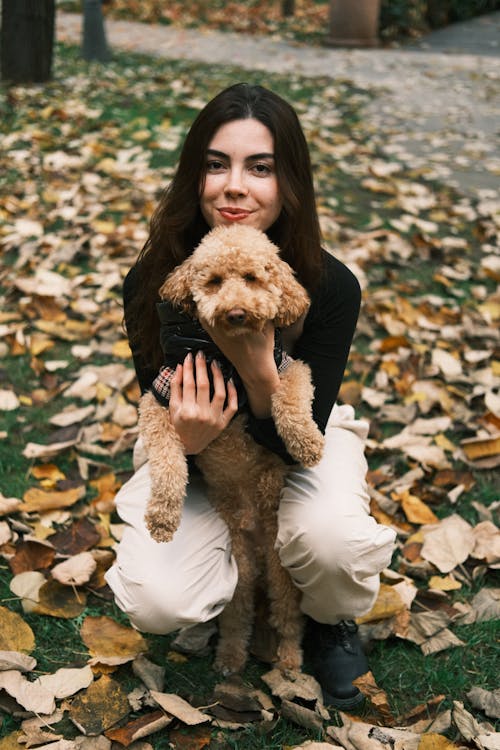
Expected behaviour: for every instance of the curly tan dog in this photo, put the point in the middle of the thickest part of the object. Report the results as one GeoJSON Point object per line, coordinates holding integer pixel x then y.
{"type": "Point", "coordinates": [235, 279]}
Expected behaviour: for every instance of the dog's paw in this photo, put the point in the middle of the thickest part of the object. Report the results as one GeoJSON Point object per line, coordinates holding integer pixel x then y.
{"type": "Point", "coordinates": [310, 450]}
{"type": "Point", "coordinates": [229, 662]}
{"type": "Point", "coordinates": [160, 530]}
{"type": "Point", "coordinates": [289, 657]}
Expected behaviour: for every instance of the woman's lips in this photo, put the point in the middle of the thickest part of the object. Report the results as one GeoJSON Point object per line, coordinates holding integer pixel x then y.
{"type": "Point", "coordinates": [233, 214]}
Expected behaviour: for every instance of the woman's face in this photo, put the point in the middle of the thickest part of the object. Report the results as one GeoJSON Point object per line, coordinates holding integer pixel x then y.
{"type": "Point", "coordinates": [240, 179]}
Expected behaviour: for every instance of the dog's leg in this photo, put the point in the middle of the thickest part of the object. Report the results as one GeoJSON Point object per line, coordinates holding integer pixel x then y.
{"type": "Point", "coordinates": [167, 466]}
{"type": "Point", "coordinates": [284, 597]}
{"type": "Point", "coordinates": [236, 621]}
{"type": "Point", "coordinates": [291, 410]}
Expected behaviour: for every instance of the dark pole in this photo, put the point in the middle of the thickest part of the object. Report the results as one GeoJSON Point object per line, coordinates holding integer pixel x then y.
{"type": "Point", "coordinates": [27, 40]}
{"type": "Point", "coordinates": [94, 45]}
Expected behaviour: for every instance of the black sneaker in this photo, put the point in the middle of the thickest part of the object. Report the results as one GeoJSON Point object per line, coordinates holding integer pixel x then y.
{"type": "Point", "coordinates": [336, 657]}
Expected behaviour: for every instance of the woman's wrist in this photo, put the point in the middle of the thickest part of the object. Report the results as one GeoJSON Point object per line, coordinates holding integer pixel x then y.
{"type": "Point", "coordinates": [259, 389]}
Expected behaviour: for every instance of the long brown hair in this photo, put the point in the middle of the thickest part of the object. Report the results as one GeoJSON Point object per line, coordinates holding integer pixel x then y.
{"type": "Point", "coordinates": [177, 225]}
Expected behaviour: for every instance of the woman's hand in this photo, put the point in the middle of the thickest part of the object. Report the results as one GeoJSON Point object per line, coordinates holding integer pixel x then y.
{"type": "Point", "coordinates": [252, 355]}
{"type": "Point", "coordinates": [197, 419]}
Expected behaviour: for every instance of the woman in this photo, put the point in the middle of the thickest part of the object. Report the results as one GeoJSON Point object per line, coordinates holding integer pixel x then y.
{"type": "Point", "coordinates": [245, 160]}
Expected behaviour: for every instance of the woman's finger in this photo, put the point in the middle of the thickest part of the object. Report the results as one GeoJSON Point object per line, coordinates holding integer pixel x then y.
{"type": "Point", "coordinates": [188, 381]}
{"type": "Point", "coordinates": [176, 387]}
{"type": "Point", "coordinates": [202, 381]}
{"type": "Point", "coordinates": [232, 401]}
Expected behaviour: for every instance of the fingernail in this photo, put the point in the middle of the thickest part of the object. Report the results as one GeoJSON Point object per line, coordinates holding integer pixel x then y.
{"type": "Point", "coordinates": [189, 357]}
{"type": "Point", "coordinates": [215, 364]}
{"type": "Point", "coordinates": [200, 355]}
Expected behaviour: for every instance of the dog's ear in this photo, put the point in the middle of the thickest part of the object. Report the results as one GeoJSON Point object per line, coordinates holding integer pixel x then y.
{"type": "Point", "coordinates": [294, 298]}
{"type": "Point", "coordinates": [177, 287]}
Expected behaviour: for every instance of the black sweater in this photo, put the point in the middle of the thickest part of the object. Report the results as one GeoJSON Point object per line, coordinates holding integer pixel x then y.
{"type": "Point", "coordinates": [323, 344]}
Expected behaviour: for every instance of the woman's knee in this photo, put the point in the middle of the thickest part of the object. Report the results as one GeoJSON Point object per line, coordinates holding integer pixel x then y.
{"type": "Point", "coordinates": [160, 604]}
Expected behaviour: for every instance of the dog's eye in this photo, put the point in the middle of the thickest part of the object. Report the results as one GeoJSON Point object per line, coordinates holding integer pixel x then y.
{"type": "Point", "coordinates": [250, 277]}
{"type": "Point", "coordinates": [214, 281]}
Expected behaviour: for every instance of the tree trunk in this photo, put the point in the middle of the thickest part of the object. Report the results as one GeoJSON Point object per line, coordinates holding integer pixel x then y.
{"type": "Point", "coordinates": [287, 8]}
{"type": "Point", "coordinates": [354, 23]}
{"type": "Point", "coordinates": [94, 46]}
{"type": "Point", "coordinates": [27, 40]}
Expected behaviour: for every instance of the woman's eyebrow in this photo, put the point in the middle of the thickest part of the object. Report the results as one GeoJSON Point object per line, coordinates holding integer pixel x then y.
{"type": "Point", "coordinates": [250, 157]}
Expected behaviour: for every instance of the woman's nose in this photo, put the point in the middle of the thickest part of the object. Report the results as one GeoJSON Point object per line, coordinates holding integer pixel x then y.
{"type": "Point", "coordinates": [236, 184]}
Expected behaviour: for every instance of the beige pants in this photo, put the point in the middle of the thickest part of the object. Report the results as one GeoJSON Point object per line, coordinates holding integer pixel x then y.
{"type": "Point", "coordinates": [333, 549]}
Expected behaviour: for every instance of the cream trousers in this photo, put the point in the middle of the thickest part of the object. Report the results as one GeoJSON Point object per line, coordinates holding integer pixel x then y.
{"type": "Point", "coordinates": [333, 549]}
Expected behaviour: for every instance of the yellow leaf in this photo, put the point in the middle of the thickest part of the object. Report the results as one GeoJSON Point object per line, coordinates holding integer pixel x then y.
{"type": "Point", "coordinates": [11, 741]}
{"type": "Point", "coordinates": [121, 349]}
{"type": "Point", "coordinates": [106, 638]}
{"type": "Point", "coordinates": [57, 600]}
{"type": "Point", "coordinates": [481, 447]}
{"type": "Point", "coordinates": [176, 657]}
{"type": "Point", "coordinates": [444, 443]}
{"type": "Point", "coordinates": [99, 707]}
{"type": "Point", "coordinates": [103, 227]}
{"type": "Point", "coordinates": [49, 472]}
{"type": "Point", "coordinates": [444, 583]}
{"type": "Point", "coordinates": [432, 741]}
{"type": "Point", "coordinates": [414, 509]}
{"type": "Point", "coordinates": [388, 604]}
{"type": "Point", "coordinates": [15, 634]}
{"type": "Point", "coordinates": [39, 500]}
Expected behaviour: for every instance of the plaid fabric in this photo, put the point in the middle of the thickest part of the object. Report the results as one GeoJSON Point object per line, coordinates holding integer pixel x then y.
{"type": "Point", "coordinates": [161, 384]}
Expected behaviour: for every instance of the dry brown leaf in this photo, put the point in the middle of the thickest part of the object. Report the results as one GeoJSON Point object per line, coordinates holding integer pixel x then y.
{"type": "Point", "coordinates": [387, 604]}
{"type": "Point", "coordinates": [138, 728]}
{"type": "Point", "coordinates": [486, 542]}
{"type": "Point", "coordinates": [486, 701]}
{"type": "Point", "coordinates": [15, 634]}
{"type": "Point", "coordinates": [75, 571]}
{"type": "Point", "coordinates": [66, 682]}
{"type": "Point", "coordinates": [432, 741]}
{"type": "Point", "coordinates": [415, 510]}
{"type": "Point", "coordinates": [106, 638]}
{"type": "Point", "coordinates": [14, 660]}
{"type": "Point", "coordinates": [30, 695]}
{"type": "Point", "coordinates": [181, 709]}
{"type": "Point", "coordinates": [446, 583]}
{"type": "Point", "coordinates": [40, 500]}
{"type": "Point", "coordinates": [152, 675]}
{"type": "Point", "coordinates": [32, 555]}
{"type": "Point", "coordinates": [57, 600]}
{"type": "Point", "coordinates": [301, 715]}
{"type": "Point", "coordinates": [27, 587]}
{"type": "Point", "coordinates": [481, 447]}
{"type": "Point", "coordinates": [293, 685]}
{"type": "Point", "coordinates": [378, 698]}
{"type": "Point", "coordinates": [100, 707]}
{"type": "Point", "coordinates": [448, 544]}
{"type": "Point", "coordinates": [357, 735]}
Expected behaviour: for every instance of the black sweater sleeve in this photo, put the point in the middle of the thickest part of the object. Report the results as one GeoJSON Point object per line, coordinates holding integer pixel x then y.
{"type": "Point", "coordinates": [324, 345]}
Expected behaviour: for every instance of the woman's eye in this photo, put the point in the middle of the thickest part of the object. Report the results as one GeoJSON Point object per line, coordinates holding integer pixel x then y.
{"type": "Point", "coordinates": [214, 166]}
{"type": "Point", "coordinates": [262, 169]}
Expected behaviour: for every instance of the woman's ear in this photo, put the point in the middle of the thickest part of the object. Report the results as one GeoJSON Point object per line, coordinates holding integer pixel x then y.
{"type": "Point", "coordinates": [177, 288]}
{"type": "Point", "coordinates": [294, 299]}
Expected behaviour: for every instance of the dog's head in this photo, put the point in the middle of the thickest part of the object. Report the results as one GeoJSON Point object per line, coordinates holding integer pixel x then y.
{"type": "Point", "coordinates": [236, 280]}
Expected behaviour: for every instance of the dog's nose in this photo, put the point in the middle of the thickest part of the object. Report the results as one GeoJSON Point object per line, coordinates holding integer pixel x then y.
{"type": "Point", "coordinates": [236, 317]}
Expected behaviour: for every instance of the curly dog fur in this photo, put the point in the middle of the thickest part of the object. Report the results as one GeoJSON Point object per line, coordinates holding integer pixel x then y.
{"type": "Point", "coordinates": [235, 279]}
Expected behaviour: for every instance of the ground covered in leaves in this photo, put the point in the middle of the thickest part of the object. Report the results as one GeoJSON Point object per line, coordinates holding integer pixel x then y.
{"type": "Point", "coordinates": [83, 161]}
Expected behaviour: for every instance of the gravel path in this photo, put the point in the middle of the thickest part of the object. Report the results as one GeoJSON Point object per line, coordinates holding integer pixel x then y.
{"type": "Point", "coordinates": [436, 104]}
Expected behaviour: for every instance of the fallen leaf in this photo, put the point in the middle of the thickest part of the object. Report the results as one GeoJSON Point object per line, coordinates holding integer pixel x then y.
{"type": "Point", "coordinates": [448, 544]}
{"type": "Point", "coordinates": [99, 707]}
{"type": "Point", "coordinates": [138, 728]}
{"type": "Point", "coordinates": [41, 500]}
{"type": "Point", "coordinates": [486, 701]}
{"type": "Point", "coordinates": [66, 682]}
{"type": "Point", "coordinates": [181, 709]}
{"type": "Point", "coordinates": [75, 571]}
{"type": "Point", "coordinates": [106, 638]}
{"type": "Point", "coordinates": [30, 695]}
{"type": "Point", "coordinates": [15, 634]}
{"type": "Point", "coordinates": [14, 660]}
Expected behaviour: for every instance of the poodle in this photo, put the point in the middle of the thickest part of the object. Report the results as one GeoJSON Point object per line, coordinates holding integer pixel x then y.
{"type": "Point", "coordinates": [235, 279]}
